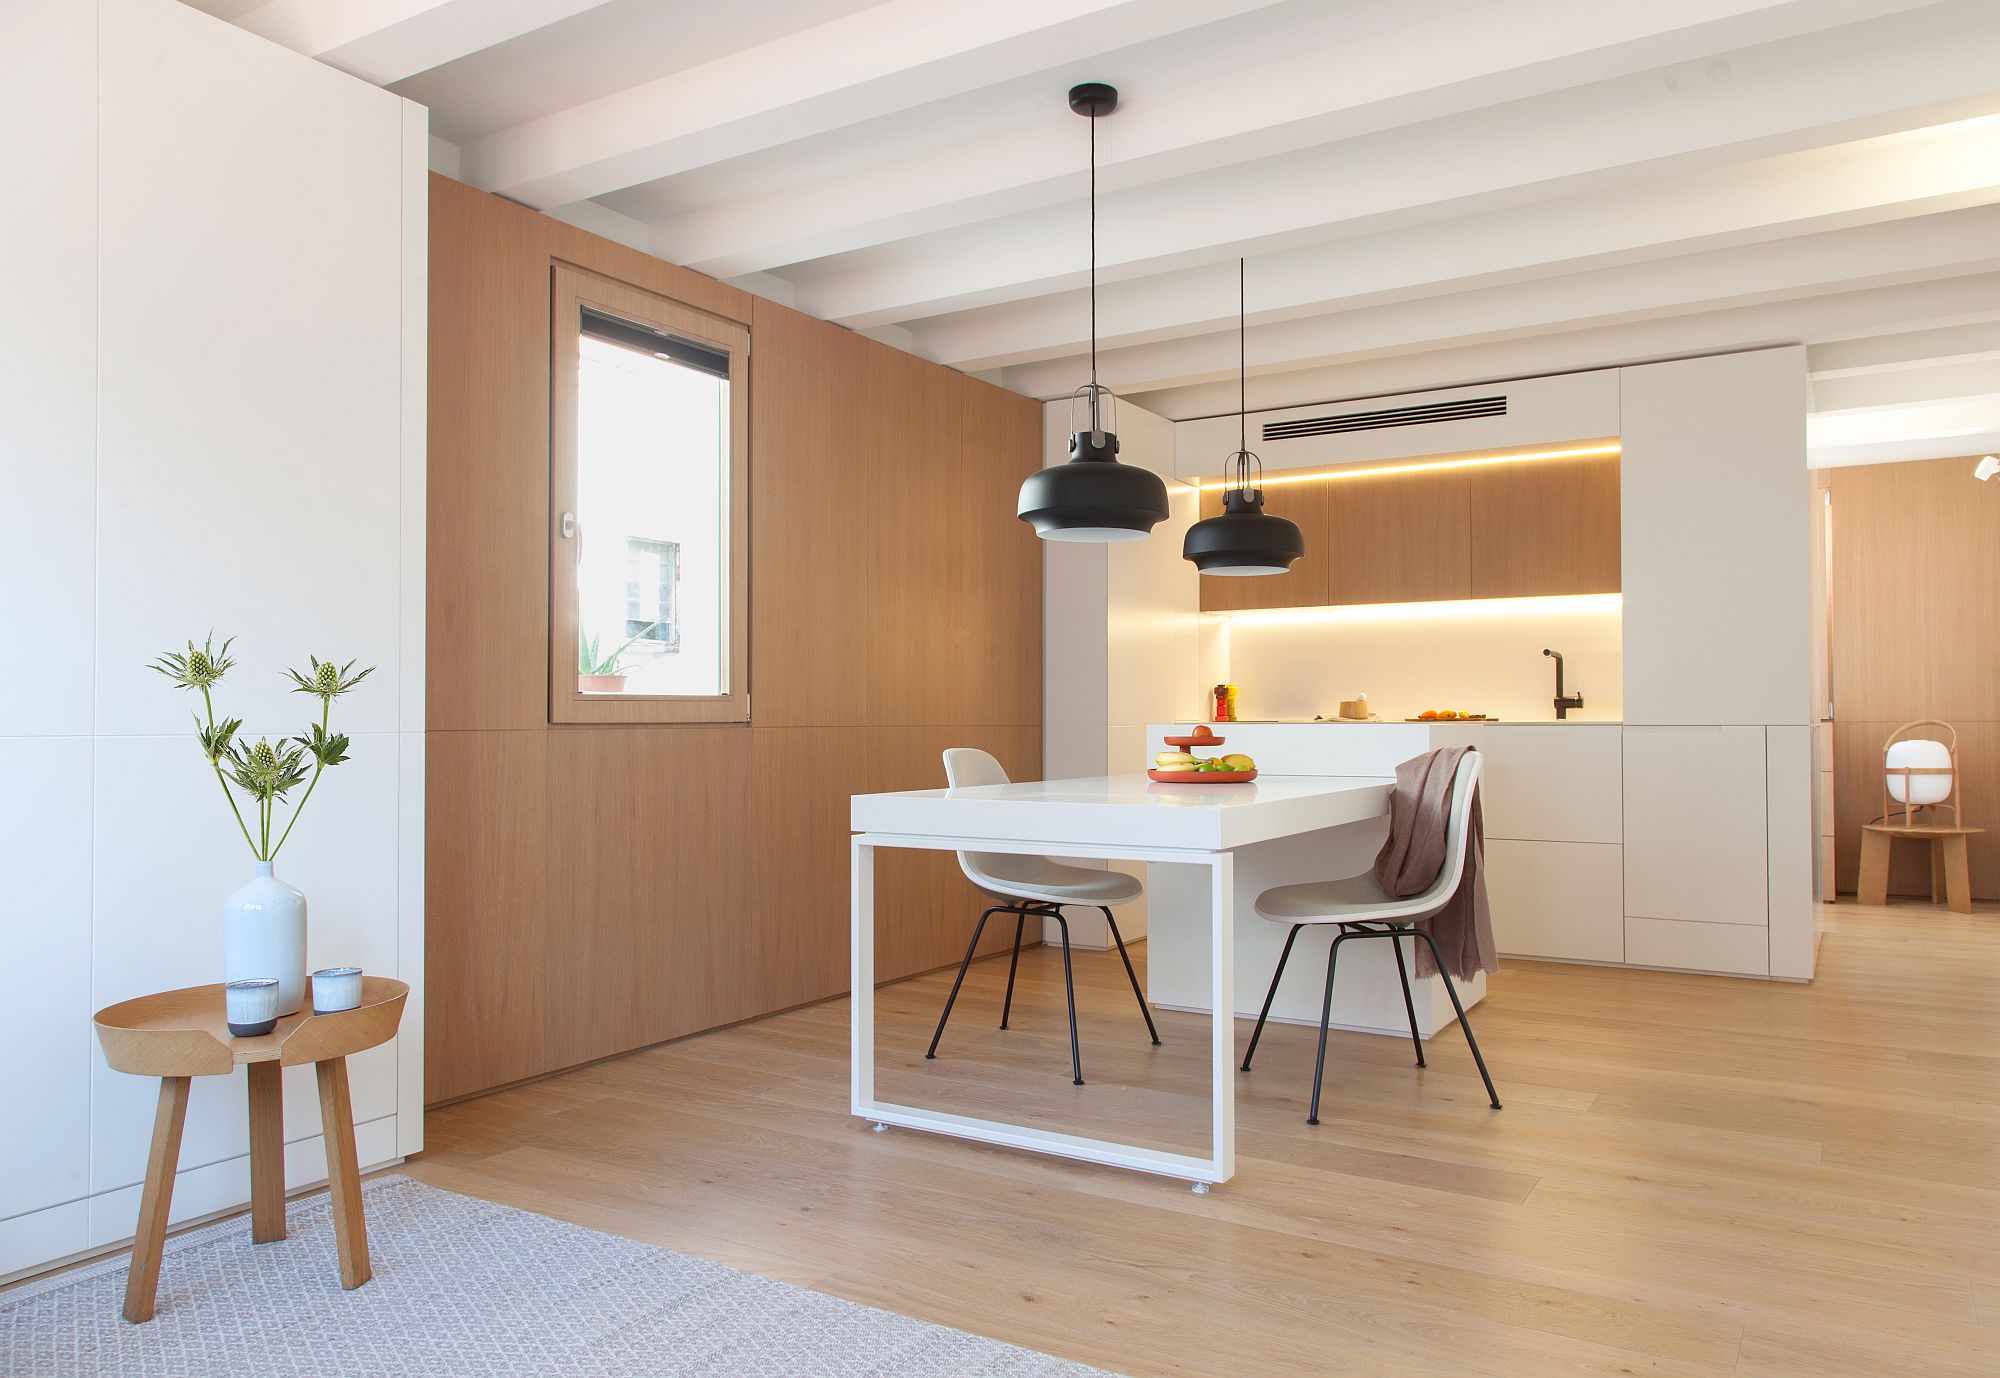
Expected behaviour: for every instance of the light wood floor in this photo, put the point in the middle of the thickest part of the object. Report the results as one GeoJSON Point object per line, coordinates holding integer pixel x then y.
{"type": "Point", "coordinates": [1692, 1176]}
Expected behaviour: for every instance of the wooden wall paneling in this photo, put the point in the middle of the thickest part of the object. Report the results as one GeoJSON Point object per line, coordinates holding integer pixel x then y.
{"type": "Point", "coordinates": [1916, 554]}
{"type": "Point", "coordinates": [811, 438]}
{"type": "Point", "coordinates": [1857, 799]}
{"type": "Point", "coordinates": [625, 264]}
{"type": "Point", "coordinates": [487, 620]}
{"type": "Point", "coordinates": [907, 515]}
{"type": "Point", "coordinates": [1398, 538]}
{"type": "Point", "coordinates": [795, 930]}
{"type": "Point", "coordinates": [1306, 584]}
{"type": "Point", "coordinates": [1549, 527]}
{"type": "Point", "coordinates": [1916, 561]}
{"type": "Point", "coordinates": [1000, 669]}
{"type": "Point", "coordinates": [597, 889]}
{"type": "Point", "coordinates": [485, 902]}
{"type": "Point", "coordinates": [649, 858]}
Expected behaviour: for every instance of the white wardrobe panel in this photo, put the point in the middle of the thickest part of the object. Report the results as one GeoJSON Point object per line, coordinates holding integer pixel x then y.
{"type": "Point", "coordinates": [45, 951]}
{"type": "Point", "coordinates": [1694, 825]}
{"type": "Point", "coordinates": [48, 164]}
{"type": "Point", "coordinates": [1791, 844]}
{"type": "Point", "coordinates": [250, 366]}
{"type": "Point", "coordinates": [1557, 899]}
{"type": "Point", "coordinates": [28, 1242]}
{"type": "Point", "coordinates": [158, 922]}
{"type": "Point", "coordinates": [1715, 540]}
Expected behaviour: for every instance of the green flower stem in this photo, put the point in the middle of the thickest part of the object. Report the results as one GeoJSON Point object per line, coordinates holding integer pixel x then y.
{"type": "Point", "coordinates": [319, 766]}
{"type": "Point", "coordinates": [209, 707]}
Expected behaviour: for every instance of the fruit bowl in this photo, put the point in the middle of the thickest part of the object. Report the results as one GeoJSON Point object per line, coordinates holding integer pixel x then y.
{"type": "Point", "coordinates": [1201, 777]}
{"type": "Point", "coordinates": [1185, 742]}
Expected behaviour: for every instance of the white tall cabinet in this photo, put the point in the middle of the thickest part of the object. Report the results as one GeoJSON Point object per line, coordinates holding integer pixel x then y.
{"type": "Point", "coordinates": [1718, 682]}
{"type": "Point", "coordinates": [212, 373]}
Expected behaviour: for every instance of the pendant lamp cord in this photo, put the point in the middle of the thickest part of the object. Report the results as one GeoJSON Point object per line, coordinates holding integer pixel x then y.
{"type": "Point", "coordinates": [1093, 271]}
{"type": "Point", "coordinates": [1242, 370]}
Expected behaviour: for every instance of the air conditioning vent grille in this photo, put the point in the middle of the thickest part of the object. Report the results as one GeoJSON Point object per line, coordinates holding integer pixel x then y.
{"type": "Point", "coordinates": [1464, 409]}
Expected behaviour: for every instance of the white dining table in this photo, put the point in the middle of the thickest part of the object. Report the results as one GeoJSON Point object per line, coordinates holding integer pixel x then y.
{"type": "Point", "coordinates": [1117, 818]}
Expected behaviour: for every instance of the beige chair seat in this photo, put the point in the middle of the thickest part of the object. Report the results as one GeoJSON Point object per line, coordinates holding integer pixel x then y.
{"type": "Point", "coordinates": [1007, 876]}
{"type": "Point", "coordinates": [1351, 899]}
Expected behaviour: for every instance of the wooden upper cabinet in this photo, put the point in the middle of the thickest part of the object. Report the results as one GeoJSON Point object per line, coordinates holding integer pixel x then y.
{"type": "Point", "coordinates": [1305, 585]}
{"type": "Point", "coordinates": [1550, 527]}
{"type": "Point", "coordinates": [1508, 531]}
{"type": "Point", "coordinates": [1398, 538]}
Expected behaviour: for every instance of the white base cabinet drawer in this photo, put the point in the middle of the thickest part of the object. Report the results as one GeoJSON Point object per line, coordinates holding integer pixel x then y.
{"type": "Point", "coordinates": [1736, 949]}
{"type": "Point", "coordinates": [1557, 899]}
{"type": "Point", "coordinates": [1695, 846]}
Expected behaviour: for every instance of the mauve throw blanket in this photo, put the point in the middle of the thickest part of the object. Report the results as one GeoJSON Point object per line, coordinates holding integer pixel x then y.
{"type": "Point", "coordinates": [1410, 860]}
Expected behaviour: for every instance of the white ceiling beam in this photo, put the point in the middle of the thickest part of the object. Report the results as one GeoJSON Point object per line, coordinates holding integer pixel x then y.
{"type": "Point", "coordinates": [1941, 169]}
{"type": "Point", "coordinates": [1903, 386]}
{"type": "Point", "coordinates": [1954, 344]}
{"type": "Point", "coordinates": [1838, 316]}
{"type": "Point", "coordinates": [1779, 98]}
{"type": "Point", "coordinates": [891, 58]}
{"type": "Point", "coordinates": [1900, 251]}
{"type": "Point", "coordinates": [385, 41]}
{"type": "Point", "coordinates": [1957, 427]}
{"type": "Point", "coordinates": [1360, 80]}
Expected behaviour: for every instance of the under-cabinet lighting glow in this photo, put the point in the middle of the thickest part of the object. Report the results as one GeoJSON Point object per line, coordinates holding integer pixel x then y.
{"type": "Point", "coordinates": [1564, 605]}
{"type": "Point", "coordinates": [1216, 485]}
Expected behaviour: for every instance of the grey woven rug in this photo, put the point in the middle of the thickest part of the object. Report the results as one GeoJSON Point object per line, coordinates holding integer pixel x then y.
{"type": "Point", "coordinates": [464, 1288]}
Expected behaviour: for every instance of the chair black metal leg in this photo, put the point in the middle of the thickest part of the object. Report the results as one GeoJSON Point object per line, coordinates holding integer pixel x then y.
{"type": "Point", "coordinates": [1463, 1022]}
{"type": "Point", "coordinates": [1325, 1014]}
{"type": "Point", "coordinates": [952, 999]}
{"type": "Point", "coordinates": [1130, 974]}
{"type": "Point", "coordinates": [1069, 989]}
{"type": "Point", "coordinates": [1020, 921]}
{"type": "Point", "coordinates": [1409, 1005]}
{"type": "Point", "coordinates": [1269, 995]}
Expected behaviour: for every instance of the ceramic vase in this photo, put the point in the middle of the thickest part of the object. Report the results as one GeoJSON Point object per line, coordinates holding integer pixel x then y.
{"type": "Point", "coordinates": [264, 934]}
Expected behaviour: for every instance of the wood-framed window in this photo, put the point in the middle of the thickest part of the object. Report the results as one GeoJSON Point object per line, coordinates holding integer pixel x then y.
{"type": "Point", "coordinates": [649, 559]}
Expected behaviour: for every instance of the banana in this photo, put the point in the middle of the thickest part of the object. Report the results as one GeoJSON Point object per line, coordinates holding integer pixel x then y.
{"type": "Point", "coordinates": [1173, 760]}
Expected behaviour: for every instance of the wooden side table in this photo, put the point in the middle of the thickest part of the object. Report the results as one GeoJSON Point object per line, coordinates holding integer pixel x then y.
{"type": "Point", "coordinates": [178, 1035]}
{"type": "Point", "coordinates": [1951, 877]}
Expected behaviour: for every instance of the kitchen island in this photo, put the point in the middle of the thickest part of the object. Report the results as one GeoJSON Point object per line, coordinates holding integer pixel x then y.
{"type": "Point", "coordinates": [1680, 847]}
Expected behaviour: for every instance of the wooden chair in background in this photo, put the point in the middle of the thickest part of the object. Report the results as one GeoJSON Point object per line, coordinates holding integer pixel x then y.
{"type": "Point", "coordinates": [1917, 789]}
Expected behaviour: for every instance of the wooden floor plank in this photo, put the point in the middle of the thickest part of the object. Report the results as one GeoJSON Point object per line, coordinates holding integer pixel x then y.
{"type": "Point", "coordinates": [1693, 1176]}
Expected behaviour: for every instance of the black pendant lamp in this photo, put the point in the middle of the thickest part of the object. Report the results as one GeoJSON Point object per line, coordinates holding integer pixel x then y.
{"type": "Point", "coordinates": [1245, 539]}
{"type": "Point", "coordinates": [1093, 497]}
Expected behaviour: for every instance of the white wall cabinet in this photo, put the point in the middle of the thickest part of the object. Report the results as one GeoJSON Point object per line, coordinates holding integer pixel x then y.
{"type": "Point", "coordinates": [1695, 831]}
{"type": "Point", "coordinates": [1715, 558]}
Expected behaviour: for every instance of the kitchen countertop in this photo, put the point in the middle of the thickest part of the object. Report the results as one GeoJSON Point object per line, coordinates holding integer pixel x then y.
{"type": "Point", "coordinates": [1401, 722]}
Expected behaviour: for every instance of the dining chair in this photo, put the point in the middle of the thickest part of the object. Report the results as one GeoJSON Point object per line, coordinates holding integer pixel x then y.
{"type": "Point", "coordinates": [1034, 886]}
{"type": "Point", "coordinates": [1361, 908]}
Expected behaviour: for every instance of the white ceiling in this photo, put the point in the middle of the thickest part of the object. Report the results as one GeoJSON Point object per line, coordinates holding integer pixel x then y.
{"type": "Point", "coordinates": [1429, 192]}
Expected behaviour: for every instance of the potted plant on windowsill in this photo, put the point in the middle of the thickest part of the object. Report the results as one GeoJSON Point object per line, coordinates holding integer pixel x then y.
{"type": "Point", "coordinates": [604, 672]}
{"type": "Point", "coordinates": [264, 920]}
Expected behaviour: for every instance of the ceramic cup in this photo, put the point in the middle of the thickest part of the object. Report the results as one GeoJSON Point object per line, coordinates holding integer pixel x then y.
{"type": "Point", "coordinates": [336, 988]}
{"type": "Point", "coordinates": [251, 1007]}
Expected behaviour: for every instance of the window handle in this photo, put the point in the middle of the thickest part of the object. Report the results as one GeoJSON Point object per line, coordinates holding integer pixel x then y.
{"type": "Point", "coordinates": [568, 526]}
